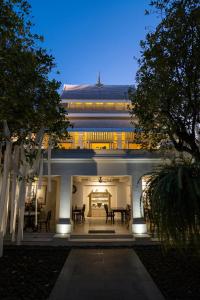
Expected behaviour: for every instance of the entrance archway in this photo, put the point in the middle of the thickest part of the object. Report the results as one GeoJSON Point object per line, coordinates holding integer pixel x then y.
{"type": "Point", "coordinates": [92, 194]}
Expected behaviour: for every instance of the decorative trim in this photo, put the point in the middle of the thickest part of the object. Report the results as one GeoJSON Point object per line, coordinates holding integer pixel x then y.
{"type": "Point", "coordinates": [64, 221]}
{"type": "Point", "coordinates": [102, 129]}
{"type": "Point", "coordinates": [116, 160]}
{"type": "Point", "coordinates": [139, 221]}
{"type": "Point", "coordinates": [65, 100]}
{"type": "Point", "coordinates": [99, 114]}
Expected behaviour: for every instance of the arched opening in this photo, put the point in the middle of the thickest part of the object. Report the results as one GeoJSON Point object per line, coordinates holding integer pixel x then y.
{"type": "Point", "coordinates": [101, 204]}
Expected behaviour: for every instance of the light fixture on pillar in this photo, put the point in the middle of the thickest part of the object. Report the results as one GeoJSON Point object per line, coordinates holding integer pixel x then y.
{"type": "Point", "coordinates": [139, 226]}
{"type": "Point", "coordinates": [100, 179]}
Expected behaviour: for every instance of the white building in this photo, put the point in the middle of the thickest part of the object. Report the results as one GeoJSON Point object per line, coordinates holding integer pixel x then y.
{"type": "Point", "coordinates": [100, 163]}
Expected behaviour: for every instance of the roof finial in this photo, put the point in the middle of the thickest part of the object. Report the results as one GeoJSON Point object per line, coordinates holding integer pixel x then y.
{"type": "Point", "coordinates": [99, 84]}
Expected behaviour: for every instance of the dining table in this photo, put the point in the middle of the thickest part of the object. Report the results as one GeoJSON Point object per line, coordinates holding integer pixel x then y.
{"type": "Point", "coordinates": [121, 210]}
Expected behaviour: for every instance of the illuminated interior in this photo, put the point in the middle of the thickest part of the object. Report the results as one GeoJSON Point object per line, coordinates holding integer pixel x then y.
{"type": "Point", "coordinates": [100, 120]}
{"type": "Point", "coordinates": [95, 106]}
{"type": "Point", "coordinates": [100, 140]}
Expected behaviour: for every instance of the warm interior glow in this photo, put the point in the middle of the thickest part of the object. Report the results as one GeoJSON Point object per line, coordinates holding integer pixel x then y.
{"type": "Point", "coordinates": [100, 146]}
{"type": "Point", "coordinates": [134, 146]}
{"type": "Point", "coordinates": [81, 106]}
{"type": "Point", "coordinates": [100, 140]}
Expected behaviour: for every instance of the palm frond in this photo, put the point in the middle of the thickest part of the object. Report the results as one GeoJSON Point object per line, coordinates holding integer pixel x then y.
{"type": "Point", "coordinates": [172, 195]}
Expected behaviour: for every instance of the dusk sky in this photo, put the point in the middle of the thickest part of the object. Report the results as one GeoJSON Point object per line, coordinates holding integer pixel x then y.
{"type": "Point", "coordinates": [88, 36]}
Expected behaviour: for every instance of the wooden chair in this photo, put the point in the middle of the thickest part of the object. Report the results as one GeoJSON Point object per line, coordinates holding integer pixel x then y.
{"type": "Point", "coordinates": [45, 222]}
{"type": "Point", "coordinates": [128, 215]}
{"type": "Point", "coordinates": [79, 216]}
{"type": "Point", "coordinates": [83, 213]}
{"type": "Point", "coordinates": [109, 214]}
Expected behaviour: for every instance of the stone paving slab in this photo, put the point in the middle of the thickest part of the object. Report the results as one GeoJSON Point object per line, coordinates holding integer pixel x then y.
{"type": "Point", "coordinates": [108, 274]}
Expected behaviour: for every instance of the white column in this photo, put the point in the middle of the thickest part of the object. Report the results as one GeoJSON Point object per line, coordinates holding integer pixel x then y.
{"type": "Point", "coordinates": [64, 222]}
{"type": "Point", "coordinates": [119, 140]}
{"type": "Point", "coordinates": [139, 225]}
{"type": "Point", "coordinates": [80, 140]}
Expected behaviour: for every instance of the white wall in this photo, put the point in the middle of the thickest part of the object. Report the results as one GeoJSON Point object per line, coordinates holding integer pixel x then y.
{"type": "Point", "coordinates": [122, 198]}
{"type": "Point", "coordinates": [84, 188]}
{"type": "Point", "coordinates": [120, 192]}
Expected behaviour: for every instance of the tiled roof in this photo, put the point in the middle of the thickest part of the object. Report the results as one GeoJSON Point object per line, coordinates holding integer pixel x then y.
{"type": "Point", "coordinates": [93, 92]}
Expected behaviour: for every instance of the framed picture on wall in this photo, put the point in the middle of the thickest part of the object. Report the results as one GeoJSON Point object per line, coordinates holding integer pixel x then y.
{"type": "Point", "coordinates": [41, 195]}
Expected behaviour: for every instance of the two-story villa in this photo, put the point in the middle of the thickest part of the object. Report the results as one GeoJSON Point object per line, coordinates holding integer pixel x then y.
{"type": "Point", "coordinates": [100, 163]}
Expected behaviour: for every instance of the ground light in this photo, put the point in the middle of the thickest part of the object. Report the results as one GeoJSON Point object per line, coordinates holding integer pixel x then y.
{"type": "Point", "coordinates": [139, 226]}
{"type": "Point", "coordinates": [63, 228]}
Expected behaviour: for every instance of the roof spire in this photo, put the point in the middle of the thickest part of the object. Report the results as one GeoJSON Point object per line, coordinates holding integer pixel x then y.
{"type": "Point", "coordinates": [99, 84]}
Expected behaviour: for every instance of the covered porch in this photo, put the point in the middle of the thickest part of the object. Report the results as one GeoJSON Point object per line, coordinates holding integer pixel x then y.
{"type": "Point", "coordinates": [101, 204]}
{"type": "Point", "coordinates": [84, 174]}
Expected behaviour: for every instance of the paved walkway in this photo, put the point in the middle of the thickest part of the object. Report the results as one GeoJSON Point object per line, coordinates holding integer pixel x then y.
{"type": "Point", "coordinates": [106, 274]}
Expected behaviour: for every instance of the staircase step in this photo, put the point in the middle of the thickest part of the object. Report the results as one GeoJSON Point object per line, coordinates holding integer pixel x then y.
{"type": "Point", "coordinates": [37, 236]}
{"type": "Point", "coordinates": [98, 236]}
{"type": "Point", "coordinates": [101, 242]}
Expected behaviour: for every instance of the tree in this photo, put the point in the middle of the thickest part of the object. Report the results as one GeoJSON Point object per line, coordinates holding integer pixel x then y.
{"type": "Point", "coordinates": [29, 100]}
{"type": "Point", "coordinates": [29, 110]}
{"type": "Point", "coordinates": [166, 103]}
{"type": "Point", "coordinates": [171, 199]}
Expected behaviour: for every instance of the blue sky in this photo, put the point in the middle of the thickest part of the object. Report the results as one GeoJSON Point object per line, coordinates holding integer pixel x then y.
{"type": "Point", "coordinates": [88, 36]}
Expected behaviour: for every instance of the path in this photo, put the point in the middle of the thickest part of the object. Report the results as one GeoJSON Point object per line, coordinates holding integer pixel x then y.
{"type": "Point", "coordinates": [106, 274]}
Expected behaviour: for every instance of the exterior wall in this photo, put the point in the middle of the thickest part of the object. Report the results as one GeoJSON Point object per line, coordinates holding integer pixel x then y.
{"type": "Point", "coordinates": [96, 106]}
{"type": "Point", "coordinates": [68, 167]}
